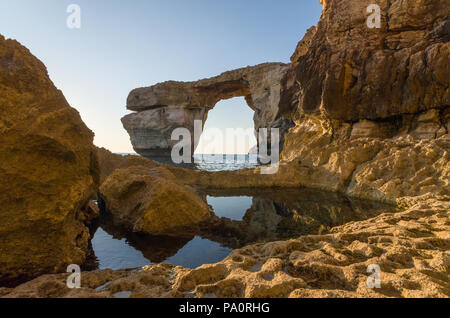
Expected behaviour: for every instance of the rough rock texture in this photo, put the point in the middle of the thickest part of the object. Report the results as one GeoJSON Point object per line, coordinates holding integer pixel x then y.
{"type": "Point", "coordinates": [350, 72]}
{"type": "Point", "coordinates": [152, 201]}
{"type": "Point", "coordinates": [166, 106]}
{"type": "Point", "coordinates": [319, 157]}
{"type": "Point", "coordinates": [109, 162]}
{"type": "Point", "coordinates": [368, 168]}
{"type": "Point", "coordinates": [48, 171]}
{"type": "Point", "coordinates": [371, 106]}
{"type": "Point", "coordinates": [410, 247]}
{"type": "Point", "coordinates": [364, 167]}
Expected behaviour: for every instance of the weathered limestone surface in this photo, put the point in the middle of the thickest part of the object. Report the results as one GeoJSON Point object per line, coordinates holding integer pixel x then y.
{"type": "Point", "coordinates": [369, 168]}
{"type": "Point", "coordinates": [410, 247]}
{"type": "Point", "coordinates": [48, 171]}
{"type": "Point", "coordinates": [166, 106]}
{"type": "Point", "coordinates": [371, 106]}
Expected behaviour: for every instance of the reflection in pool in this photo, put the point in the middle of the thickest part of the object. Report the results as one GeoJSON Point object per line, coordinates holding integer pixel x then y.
{"type": "Point", "coordinates": [198, 252]}
{"type": "Point", "coordinates": [119, 253]}
{"type": "Point", "coordinates": [116, 253]}
{"type": "Point", "coordinates": [241, 217]}
{"type": "Point", "coordinates": [233, 208]}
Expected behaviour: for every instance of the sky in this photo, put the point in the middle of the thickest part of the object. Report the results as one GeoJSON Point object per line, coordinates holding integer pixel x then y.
{"type": "Point", "coordinates": [125, 44]}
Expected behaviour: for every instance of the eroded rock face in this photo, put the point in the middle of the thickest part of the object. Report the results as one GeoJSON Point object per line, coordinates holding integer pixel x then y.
{"type": "Point", "coordinates": [349, 72]}
{"type": "Point", "coordinates": [48, 171]}
{"type": "Point", "coordinates": [371, 106]}
{"type": "Point", "coordinates": [152, 201]}
{"type": "Point", "coordinates": [166, 106]}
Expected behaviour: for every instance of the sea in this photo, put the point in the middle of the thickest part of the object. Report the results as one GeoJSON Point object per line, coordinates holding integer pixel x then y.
{"type": "Point", "coordinates": [213, 162]}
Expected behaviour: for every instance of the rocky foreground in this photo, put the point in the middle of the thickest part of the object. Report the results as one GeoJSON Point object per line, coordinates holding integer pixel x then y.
{"type": "Point", "coordinates": [369, 116]}
{"type": "Point", "coordinates": [410, 247]}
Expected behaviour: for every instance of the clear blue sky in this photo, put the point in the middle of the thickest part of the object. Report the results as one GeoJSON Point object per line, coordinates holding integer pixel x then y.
{"type": "Point", "coordinates": [124, 44]}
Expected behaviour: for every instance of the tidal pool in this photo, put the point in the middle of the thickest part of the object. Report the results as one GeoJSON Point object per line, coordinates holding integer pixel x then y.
{"type": "Point", "coordinates": [242, 217]}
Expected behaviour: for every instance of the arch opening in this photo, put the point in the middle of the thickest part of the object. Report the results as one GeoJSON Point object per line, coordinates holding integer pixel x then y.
{"type": "Point", "coordinates": [228, 116]}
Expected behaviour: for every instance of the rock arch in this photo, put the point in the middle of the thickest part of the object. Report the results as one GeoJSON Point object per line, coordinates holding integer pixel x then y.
{"type": "Point", "coordinates": [161, 108]}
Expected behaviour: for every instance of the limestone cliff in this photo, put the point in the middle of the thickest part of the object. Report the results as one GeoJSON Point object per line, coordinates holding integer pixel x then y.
{"type": "Point", "coordinates": [347, 71]}
{"type": "Point", "coordinates": [166, 106]}
{"type": "Point", "coordinates": [371, 106]}
{"type": "Point", "coordinates": [48, 171]}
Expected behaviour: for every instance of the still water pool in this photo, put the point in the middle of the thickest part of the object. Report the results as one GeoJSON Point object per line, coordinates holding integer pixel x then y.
{"type": "Point", "coordinates": [242, 217]}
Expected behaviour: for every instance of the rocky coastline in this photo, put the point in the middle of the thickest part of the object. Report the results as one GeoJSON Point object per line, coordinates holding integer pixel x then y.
{"type": "Point", "coordinates": [364, 112]}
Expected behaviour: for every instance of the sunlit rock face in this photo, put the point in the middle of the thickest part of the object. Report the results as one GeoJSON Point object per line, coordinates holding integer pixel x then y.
{"type": "Point", "coordinates": [350, 72]}
{"type": "Point", "coordinates": [161, 108]}
{"type": "Point", "coordinates": [151, 201]}
{"type": "Point", "coordinates": [48, 171]}
{"type": "Point", "coordinates": [409, 247]}
{"type": "Point", "coordinates": [371, 105]}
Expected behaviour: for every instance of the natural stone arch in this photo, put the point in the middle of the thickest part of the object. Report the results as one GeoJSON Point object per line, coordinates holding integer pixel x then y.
{"type": "Point", "coordinates": [161, 108]}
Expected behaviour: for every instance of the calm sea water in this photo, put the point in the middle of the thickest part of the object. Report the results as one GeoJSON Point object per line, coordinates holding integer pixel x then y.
{"type": "Point", "coordinates": [243, 217]}
{"type": "Point", "coordinates": [225, 162]}
{"type": "Point", "coordinates": [212, 162]}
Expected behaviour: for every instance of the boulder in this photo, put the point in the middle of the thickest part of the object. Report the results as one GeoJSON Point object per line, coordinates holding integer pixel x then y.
{"type": "Point", "coordinates": [48, 171]}
{"type": "Point", "coordinates": [152, 201]}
